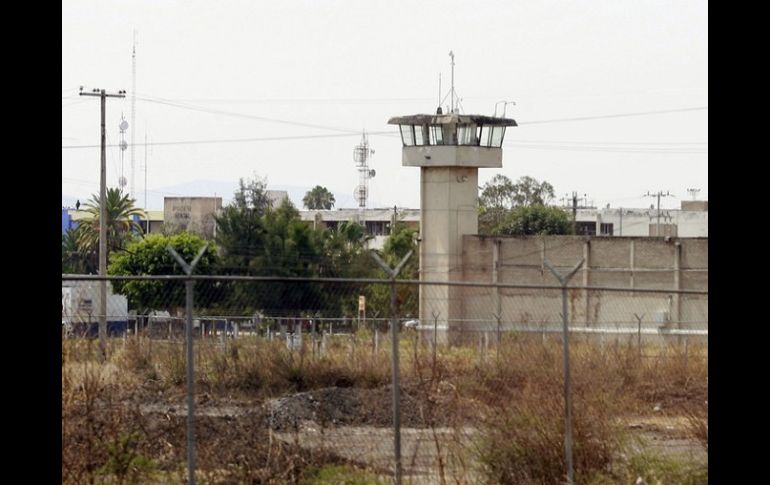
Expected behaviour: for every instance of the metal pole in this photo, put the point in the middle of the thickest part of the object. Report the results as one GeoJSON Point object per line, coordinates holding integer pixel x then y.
{"type": "Point", "coordinates": [190, 387]}
{"type": "Point", "coordinates": [435, 337]}
{"type": "Point", "coordinates": [567, 390]}
{"type": "Point", "coordinates": [396, 386]}
{"type": "Point", "coordinates": [563, 280]}
{"type": "Point", "coordinates": [639, 333]}
{"type": "Point", "coordinates": [393, 272]}
{"type": "Point", "coordinates": [188, 268]}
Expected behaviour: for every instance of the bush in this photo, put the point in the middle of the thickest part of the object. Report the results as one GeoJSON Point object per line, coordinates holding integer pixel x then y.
{"type": "Point", "coordinates": [522, 441]}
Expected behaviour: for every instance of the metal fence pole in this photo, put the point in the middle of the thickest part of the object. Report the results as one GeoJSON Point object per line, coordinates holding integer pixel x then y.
{"type": "Point", "coordinates": [563, 280]}
{"type": "Point", "coordinates": [188, 269]}
{"type": "Point", "coordinates": [639, 333]}
{"type": "Point", "coordinates": [396, 386]}
{"type": "Point", "coordinates": [435, 337]}
{"type": "Point", "coordinates": [394, 339]}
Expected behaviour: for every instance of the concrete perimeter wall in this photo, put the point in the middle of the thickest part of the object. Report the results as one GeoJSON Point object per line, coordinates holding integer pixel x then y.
{"type": "Point", "coordinates": [663, 264]}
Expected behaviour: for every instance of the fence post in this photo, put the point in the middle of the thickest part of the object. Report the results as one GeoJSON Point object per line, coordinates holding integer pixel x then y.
{"type": "Point", "coordinates": [499, 336]}
{"type": "Point", "coordinates": [188, 268]}
{"type": "Point", "coordinates": [394, 339]}
{"type": "Point", "coordinates": [563, 280]}
{"type": "Point", "coordinates": [435, 337]}
{"type": "Point", "coordinates": [639, 333]}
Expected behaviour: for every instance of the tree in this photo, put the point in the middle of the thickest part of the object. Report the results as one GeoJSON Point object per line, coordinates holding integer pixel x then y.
{"type": "Point", "coordinates": [527, 191]}
{"type": "Point", "coordinates": [402, 239]}
{"type": "Point", "coordinates": [318, 198]}
{"type": "Point", "coordinates": [121, 227]}
{"type": "Point", "coordinates": [73, 258]}
{"type": "Point", "coordinates": [497, 193]}
{"type": "Point", "coordinates": [150, 256]}
{"type": "Point", "coordinates": [500, 195]}
{"type": "Point", "coordinates": [259, 240]}
{"type": "Point", "coordinates": [535, 219]}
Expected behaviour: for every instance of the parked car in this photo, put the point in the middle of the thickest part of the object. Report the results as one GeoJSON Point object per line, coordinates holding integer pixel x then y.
{"type": "Point", "coordinates": [412, 323]}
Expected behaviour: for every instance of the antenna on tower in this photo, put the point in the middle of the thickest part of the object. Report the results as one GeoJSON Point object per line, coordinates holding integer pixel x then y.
{"type": "Point", "coordinates": [361, 155]}
{"type": "Point", "coordinates": [123, 127]}
{"type": "Point", "coordinates": [452, 92]}
{"type": "Point", "coordinates": [694, 193]}
{"type": "Point", "coordinates": [133, 111]}
{"type": "Point", "coordinates": [145, 178]}
{"type": "Point", "coordinates": [455, 103]}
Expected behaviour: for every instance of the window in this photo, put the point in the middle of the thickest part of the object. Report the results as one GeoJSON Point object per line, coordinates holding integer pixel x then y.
{"type": "Point", "coordinates": [497, 136]}
{"type": "Point", "coordinates": [466, 135]}
{"type": "Point", "coordinates": [484, 136]}
{"type": "Point", "coordinates": [407, 136]}
{"type": "Point", "coordinates": [436, 135]}
{"type": "Point", "coordinates": [419, 135]}
{"type": "Point", "coordinates": [605, 229]}
{"type": "Point", "coordinates": [584, 228]}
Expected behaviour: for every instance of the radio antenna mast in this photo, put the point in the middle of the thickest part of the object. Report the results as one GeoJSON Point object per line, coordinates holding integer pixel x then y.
{"type": "Point", "coordinates": [133, 113]}
{"type": "Point", "coordinates": [452, 91]}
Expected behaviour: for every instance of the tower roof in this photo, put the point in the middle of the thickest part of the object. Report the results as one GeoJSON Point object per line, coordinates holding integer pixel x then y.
{"type": "Point", "coordinates": [451, 118]}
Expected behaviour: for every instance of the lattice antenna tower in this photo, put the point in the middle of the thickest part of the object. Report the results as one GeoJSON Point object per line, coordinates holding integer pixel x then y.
{"type": "Point", "coordinates": [361, 155]}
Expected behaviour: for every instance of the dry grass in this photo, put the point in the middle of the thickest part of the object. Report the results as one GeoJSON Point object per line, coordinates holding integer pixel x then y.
{"type": "Point", "coordinates": [512, 396]}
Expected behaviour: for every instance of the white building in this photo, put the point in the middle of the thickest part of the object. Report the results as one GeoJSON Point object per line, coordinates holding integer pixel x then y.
{"type": "Point", "coordinates": [376, 221]}
{"type": "Point", "coordinates": [691, 220]}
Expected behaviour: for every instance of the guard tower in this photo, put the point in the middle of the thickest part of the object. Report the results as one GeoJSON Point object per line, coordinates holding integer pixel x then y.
{"type": "Point", "coordinates": [449, 149]}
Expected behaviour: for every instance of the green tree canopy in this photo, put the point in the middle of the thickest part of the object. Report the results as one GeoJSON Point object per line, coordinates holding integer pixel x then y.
{"type": "Point", "coordinates": [497, 193]}
{"type": "Point", "coordinates": [259, 240]}
{"type": "Point", "coordinates": [150, 256]}
{"type": "Point", "coordinates": [318, 198]}
{"type": "Point", "coordinates": [74, 258]}
{"type": "Point", "coordinates": [529, 191]}
{"type": "Point", "coordinates": [500, 195]}
{"type": "Point", "coordinates": [535, 219]}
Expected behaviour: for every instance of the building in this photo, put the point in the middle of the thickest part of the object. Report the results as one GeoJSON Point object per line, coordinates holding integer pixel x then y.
{"type": "Point", "coordinates": [691, 220]}
{"type": "Point", "coordinates": [71, 217]}
{"type": "Point", "coordinates": [193, 214]}
{"type": "Point", "coordinates": [377, 222]}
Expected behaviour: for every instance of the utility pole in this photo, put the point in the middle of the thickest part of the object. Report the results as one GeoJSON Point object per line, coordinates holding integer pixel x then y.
{"type": "Point", "coordinates": [102, 217]}
{"type": "Point", "coordinates": [575, 200]}
{"type": "Point", "coordinates": [658, 195]}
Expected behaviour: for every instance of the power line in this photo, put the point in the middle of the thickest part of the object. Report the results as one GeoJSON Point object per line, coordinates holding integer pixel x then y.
{"type": "Point", "coordinates": [234, 140]}
{"type": "Point", "coordinates": [242, 115]}
{"type": "Point", "coordinates": [619, 115]}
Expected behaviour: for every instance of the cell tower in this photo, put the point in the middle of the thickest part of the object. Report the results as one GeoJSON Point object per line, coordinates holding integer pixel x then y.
{"type": "Point", "coordinates": [133, 112]}
{"type": "Point", "coordinates": [123, 145]}
{"type": "Point", "coordinates": [361, 155]}
{"type": "Point", "coordinates": [694, 193]}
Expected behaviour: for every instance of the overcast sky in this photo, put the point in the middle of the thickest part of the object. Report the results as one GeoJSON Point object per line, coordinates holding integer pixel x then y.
{"type": "Point", "coordinates": [234, 70]}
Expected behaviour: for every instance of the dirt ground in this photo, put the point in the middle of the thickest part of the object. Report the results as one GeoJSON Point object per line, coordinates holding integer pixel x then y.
{"type": "Point", "coordinates": [356, 424]}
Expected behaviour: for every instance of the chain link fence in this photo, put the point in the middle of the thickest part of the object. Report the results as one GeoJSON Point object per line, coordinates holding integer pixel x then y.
{"type": "Point", "coordinates": [294, 377]}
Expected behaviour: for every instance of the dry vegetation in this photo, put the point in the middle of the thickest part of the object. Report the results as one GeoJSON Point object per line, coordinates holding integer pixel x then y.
{"type": "Point", "coordinates": [512, 398]}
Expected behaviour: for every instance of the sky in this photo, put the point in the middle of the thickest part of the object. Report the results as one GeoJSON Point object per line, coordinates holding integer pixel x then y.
{"type": "Point", "coordinates": [611, 97]}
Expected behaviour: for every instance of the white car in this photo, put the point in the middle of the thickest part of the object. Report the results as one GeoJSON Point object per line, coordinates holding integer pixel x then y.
{"type": "Point", "coordinates": [413, 323]}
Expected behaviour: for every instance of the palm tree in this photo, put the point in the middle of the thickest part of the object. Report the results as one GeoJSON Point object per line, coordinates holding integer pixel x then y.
{"type": "Point", "coordinates": [318, 198]}
{"type": "Point", "coordinates": [73, 258]}
{"type": "Point", "coordinates": [120, 224]}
